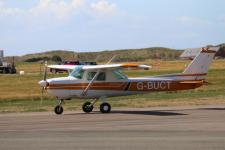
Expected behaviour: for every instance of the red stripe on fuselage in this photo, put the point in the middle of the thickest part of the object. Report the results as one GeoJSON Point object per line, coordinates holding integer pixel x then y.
{"type": "Point", "coordinates": [132, 86]}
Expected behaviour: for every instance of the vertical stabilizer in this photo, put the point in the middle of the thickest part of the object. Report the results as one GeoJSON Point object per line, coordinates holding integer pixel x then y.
{"type": "Point", "coordinates": [200, 65]}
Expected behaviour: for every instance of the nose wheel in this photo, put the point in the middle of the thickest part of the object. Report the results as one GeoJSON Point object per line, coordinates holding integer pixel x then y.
{"type": "Point", "coordinates": [58, 108]}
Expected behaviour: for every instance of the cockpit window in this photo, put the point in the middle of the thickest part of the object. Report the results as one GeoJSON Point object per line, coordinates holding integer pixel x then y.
{"type": "Point", "coordinates": [101, 76]}
{"type": "Point", "coordinates": [119, 75]}
{"type": "Point", "coordinates": [77, 73]}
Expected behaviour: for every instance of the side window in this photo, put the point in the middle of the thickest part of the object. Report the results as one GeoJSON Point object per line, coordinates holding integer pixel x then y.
{"type": "Point", "coordinates": [90, 75]}
{"type": "Point", "coordinates": [100, 77]}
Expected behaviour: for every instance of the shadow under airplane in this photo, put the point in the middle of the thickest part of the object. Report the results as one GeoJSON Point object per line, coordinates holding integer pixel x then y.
{"type": "Point", "coordinates": [212, 108]}
{"type": "Point", "coordinates": [153, 113]}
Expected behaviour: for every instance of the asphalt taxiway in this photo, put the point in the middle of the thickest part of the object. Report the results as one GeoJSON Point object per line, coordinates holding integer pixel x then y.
{"type": "Point", "coordinates": [171, 128]}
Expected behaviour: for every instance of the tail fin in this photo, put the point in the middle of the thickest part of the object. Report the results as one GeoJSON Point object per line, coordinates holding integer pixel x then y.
{"type": "Point", "coordinates": [200, 65]}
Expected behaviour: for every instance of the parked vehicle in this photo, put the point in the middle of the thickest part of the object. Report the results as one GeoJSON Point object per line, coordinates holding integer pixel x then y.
{"type": "Point", "coordinates": [5, 67]}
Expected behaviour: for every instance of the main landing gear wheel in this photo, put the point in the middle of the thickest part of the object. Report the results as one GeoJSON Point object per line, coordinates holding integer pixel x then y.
{"type": "Point", "coordinates": [58, 109]}
{"type": "Point", "coordinates": [105, 108]}
{"type": "Point", "coordinates": [87, 107]}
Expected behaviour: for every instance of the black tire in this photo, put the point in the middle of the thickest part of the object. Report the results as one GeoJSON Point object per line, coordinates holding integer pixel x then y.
{"type": "Point", "coordinates": [58, 110]}
{"type": "Point", "coordinates": [105, 108]}
{"type": "Point", "coordinates": [87, 107]}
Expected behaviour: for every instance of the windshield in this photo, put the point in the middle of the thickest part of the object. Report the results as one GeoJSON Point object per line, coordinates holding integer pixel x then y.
{"type": "Point", "coordinates": [119, 75]}
{"type": "Point", "coordinates": [77, 72]}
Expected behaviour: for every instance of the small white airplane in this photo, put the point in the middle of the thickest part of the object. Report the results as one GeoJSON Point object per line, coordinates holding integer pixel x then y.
{"type": "Point", "coordinates": [102, 81]}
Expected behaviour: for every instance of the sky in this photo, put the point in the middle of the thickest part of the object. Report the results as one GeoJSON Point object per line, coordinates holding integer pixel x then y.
{"type": "Point", "coordinates": [94, 25]}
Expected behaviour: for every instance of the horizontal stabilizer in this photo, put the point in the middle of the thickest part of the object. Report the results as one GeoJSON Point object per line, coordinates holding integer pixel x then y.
{"type": "Point", "coordinates": [192, 82]}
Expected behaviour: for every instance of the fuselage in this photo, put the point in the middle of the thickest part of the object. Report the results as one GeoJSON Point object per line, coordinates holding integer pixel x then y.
{"type": "Point", "coordinates": [101, 81]}
{"type": "Point", "coordinates": [71, 87]}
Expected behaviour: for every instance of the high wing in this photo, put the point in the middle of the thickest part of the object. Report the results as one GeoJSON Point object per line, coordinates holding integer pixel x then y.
{"type": "Point", "coordinates": [117, 66]}
{"type": "Point", "coordinates": [63, 67]}
{"type": "Point", "coordinates": [97, 67]}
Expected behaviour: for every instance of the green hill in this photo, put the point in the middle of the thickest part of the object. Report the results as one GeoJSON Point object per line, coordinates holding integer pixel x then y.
{"type": "Point", "coordinates": [125, 55]}
{"type": "Point", "coordinates": [64, 54]}
{"type": "Point", "coordinates": [132, 54]}
{"type": "Point", "coordinates": [102, 56]}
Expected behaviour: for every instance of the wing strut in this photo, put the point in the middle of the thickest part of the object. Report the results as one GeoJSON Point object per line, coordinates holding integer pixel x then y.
{"type": "Point", "coordinates": [84, 93]}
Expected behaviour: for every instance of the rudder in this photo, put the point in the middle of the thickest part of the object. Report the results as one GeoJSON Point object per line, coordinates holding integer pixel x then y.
{"type": "Point", "coordinates": [200, 64]}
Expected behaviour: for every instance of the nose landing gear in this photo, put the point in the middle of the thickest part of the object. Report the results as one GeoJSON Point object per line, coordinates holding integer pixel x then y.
{"type": "Point", "coordinates": [58, 108]}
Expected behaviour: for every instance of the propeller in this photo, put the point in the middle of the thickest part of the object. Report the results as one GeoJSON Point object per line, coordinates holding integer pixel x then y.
{"type": "Point", "coordinates": [43, 83]}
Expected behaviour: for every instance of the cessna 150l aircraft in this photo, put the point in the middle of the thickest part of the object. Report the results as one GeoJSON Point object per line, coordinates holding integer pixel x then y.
{"type": "Point", "coordinates": [102, 81]}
